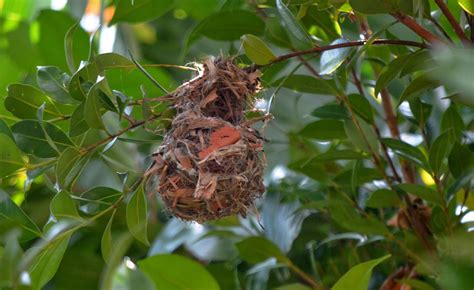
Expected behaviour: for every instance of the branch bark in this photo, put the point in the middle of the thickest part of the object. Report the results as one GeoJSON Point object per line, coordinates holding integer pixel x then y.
{"type": "Point", "coordinates": [454, 24]}
{"type": "Point", "coordinates": [417, 28]}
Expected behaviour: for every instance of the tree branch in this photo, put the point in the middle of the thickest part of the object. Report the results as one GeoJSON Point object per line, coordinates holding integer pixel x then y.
{"type": "Point", "coordinates": [456, 27]}
{"type": "Point", "coordinates": [415, 27]}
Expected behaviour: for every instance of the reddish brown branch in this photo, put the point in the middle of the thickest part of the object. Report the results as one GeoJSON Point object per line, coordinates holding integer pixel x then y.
{"type": "Point", "coordinates": [415, 27]}
{"type": "Point", "coordinates": [454, 24]}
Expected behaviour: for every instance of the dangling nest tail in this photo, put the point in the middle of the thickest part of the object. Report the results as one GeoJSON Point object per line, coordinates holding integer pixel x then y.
{"type": "Point", "coordinates": [211, 162]}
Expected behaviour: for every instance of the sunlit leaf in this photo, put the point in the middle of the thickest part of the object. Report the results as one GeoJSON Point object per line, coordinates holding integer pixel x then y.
{"type": "Point", "coordinates": [139, 10]}
{"type": "Point", "coordinates": [358, 277]}
{"type": "Point", "coordinates": [257, 50]}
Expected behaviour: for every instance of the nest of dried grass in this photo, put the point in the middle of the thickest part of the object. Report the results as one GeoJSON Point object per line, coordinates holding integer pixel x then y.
{"type": "Point", "coordinates": [211, 162]}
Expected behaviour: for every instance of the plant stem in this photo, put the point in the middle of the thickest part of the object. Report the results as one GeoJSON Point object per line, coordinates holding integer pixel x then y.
{"type": "Point", "coordinates": [415, 27]}
{"type": "Point", "coordinates": [454, 24]}
{"type": "Point", "coordinates": [319, 49]}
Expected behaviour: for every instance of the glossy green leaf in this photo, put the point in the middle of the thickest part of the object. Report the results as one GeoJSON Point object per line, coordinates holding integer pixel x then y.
{"type": "Point", "coordinates": [167, 272]}
{"type": "Point", "coordinates": [294, 27]}
{"type": "Point", "coordinates": [467, 5]}
{"type": "Point", "coordinates": [453, 122]}
{"type": "Point", "coordinates": [140, 10]}
{"type": "Point", "coordinates": [258, 249]}
{"type": "Point", "coordinates": [407, 151]}
{"type": "Point", "coordinates": [23, 101]}
{"type": "Point", "coordinates": [69, 164]}
{"type": "Point", "coordinates": [324, 130]}
{"type": "Point", "coordinates": [137, 216]}
{"type": "Point", "coordinates": [46, 263]}
{"type": "Point", "coordinates": [439, 151]}
{"type": "Point", "coordinates": [63, 206]}
{"type": "Point", "coordinates": [54, 82]}
{"type": "Point", "coordinates": [331, 111]}
{"type": "Point", "coordinates": [82, 80]}
{"type": "Point", "coordinates": [106, 61]}
{"type": "Point", "coordinates": [390, 72]}
{"type": "Point", "coordinates": [10, 157]}
{"type": "Point", "coordinates": [93, 107]}
{"type": "Point", "coordinates": [358, 277]}
{"type": "Point", "coordinates": [422, 192]}
{"type": "Point", "coordinates": [417, 86]}
{"type": "Point", "coordinates": [31, 138]}
{"type": "Point", "coordinates": [332, 59]}
{"type": "Point", "coordinates": [383, 198]}
{"type": "Point", "coordinates": [106, 240]}
{"type": "Point", "coordinates": [98, 199]}
{"type": "Point", "coordinates": [307, 84]}
{"type": "Point", "coordinates": [78, 124]}
{"type": "Point", "coordinates": [256, 50]}
{"type": "Point", "coordinates": [12, 216]}
{"type": "Point", "coordinates": [227, 25]}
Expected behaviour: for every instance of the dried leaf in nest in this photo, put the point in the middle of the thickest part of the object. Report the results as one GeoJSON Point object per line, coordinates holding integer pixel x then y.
{"type": "Point", "coordinates": [211, 162]}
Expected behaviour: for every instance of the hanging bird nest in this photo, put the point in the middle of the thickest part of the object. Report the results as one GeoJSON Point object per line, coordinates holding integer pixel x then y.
{"type": "Point", "coordinates": [211, 161]}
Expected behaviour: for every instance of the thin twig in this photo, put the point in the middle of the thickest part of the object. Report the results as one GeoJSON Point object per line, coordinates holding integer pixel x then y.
{"type": "Point", "coordinates": [417, 28]}
{"type": "Point", "coordinates": [454, 24]}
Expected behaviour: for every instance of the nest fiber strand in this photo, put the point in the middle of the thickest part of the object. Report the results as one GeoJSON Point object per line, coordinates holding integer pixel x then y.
{"type": "Point", "coordinates": [211, 163]}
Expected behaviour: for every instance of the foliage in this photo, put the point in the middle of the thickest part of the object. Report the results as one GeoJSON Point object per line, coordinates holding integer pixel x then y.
{"type": "Point", "coordinates": [370, 152]}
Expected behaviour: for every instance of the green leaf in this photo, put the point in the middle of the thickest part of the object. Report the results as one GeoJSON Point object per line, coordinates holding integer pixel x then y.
{"type": "Point", "coordinates": [106, 241]}
{"type": "Point", "coordinates": [227, 25]}
{"type": "Point", "coordinates": [390, 72]}
{"type": "Point", "coordinates": [421, 111]}
{"type": "Point", "coordinates": [294, 27]}
{"type": "Point", "coordinates": [63, 206]}
{"type": "Point", "coordinates": [78, 124]}
{"type": "Point", "coordinates": [256, 50]}
{"type": "Point", "coordinates": [106, 61]}
{"type": "Point", "coordinates": [69, 164]}
{"type": "Point", "coordinates": [92, 107]}
{"type": "Point", "coordinates": [139, 10]}
{"type": "Point", "coordinates": [357, 137]}
{"type": "Point", "coordinates": [460, 160]}
{"type": "Point", "coordinates": [4, 129]}
{"type": "Point", "coordinates": [68, 46]}
{"type": "Point", "coordinates": [137, 216]}
{"type": "Point", "coordinates": [54, 82]}
{"type": "Point", "coordinates": [332, 59]}
{"type": "Point", "coordinates": [308, 84]}
{"type": "Point", "coordinates": [331, 111]}
{"type": "Point", "coordinates": [453, 122]}
{"type": "Point", "coordinates": [467, 5]}
{"type": "Point", "coordinates": [332, 155]}
{"type": "Point", "coordinates": [12, 216]}
{"type": "Point", "coordinates": [10, 157]}
{"type": "Point", "coordinates": [258, 249]}
{"type": "Point", "coordinates": [407, 151]}
{"type": "Point", "coordinates": [168, 271]}
{"type": "Point", "coordinates": [422, 192]}
{"type": "Point", "coordinates": [324, 130]}
{"type": "Point", "coordinates": [362, 107]}
{"type": "Point", "coordinates": [98, 199]}
{"type": "Point", "coordinates": [420, 84]}
{"type": "Point", "coordinates": [439, 151]}
{"type": "Point", "coordinates": [24, 101]}
{"type": "Point", "coordinates": [383, 198]}
{"type": "Point", "coordinates": [85, 75]}
{"type": "Point", "coordinates": [31, 138]}
{"type": "Point", "coordinates": [46, 263]}
{"type": "Point", "coordinates": [358, 277]}
{"type": "Point", "coordinates": [293, 286]}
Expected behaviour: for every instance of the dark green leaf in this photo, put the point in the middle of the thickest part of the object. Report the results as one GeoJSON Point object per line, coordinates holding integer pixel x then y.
{"type": "Point", "coordinates": [460, 160]}
{"type": "Point", "coordinates": [362, 107]}
{"type": "Point", "coordinates": [140, 10]}
{"type": "Point", "coordinates": [227, 25]}
{"type": "Point", "coordinates": [358, 277]}
{"type": "Point", "coordinates": [98, 199]}
{"type": "Point", "coordinates": [54, 82]}
{"type": "Point", "coordinates": [453, 122]}
{"type": "Point", "coordinates": [407, 151]}
{"type": "Point", "coordinates": [422, 192]}
{"type": "Point", "coordinates": [23, 101]}
{"type": "Point", "coordinates": [294, 286]}
{"type": "Point", "coordinates": [93, 107]}
{"type": "Point", "coordinates": [294, 27]}
{"type": "Point", "coordinates": [361, 137]}
{"type": "Point", "coordinates": [331, 111]}
{"type": "Point", "coordinates": [168, 271]}
{"type": "Point", "coordinates": [332, 59]}
{"type": "Point", "coordinates": [324, 130]}
{"type": "Point", "coordinates": [46, 263]}
{"type": "Point", "coordinates": [137, 216]}
{"type": "Point", "coordinates": [307, 84]}
{"type": "Point", "coordinates": [12, 216]}
{"type": "Point", "coordinates": [78, 124]}
{"type": "Point", "coordinates": [417, 86]}
{"type": "Point", "coordinates": [106, 241]}
{"type": "Point", "coordinates": [372, 7]}
{"type": "Point", "coordinates": [4, 129]}
{"type": "Point", "coordinates": [70, 163]}
{"type": "Point", "coordinates": [420, 110]}
{"type": "Point", "coordinates": [390, 72]}
{"type": "Point", "coordinates": [78, 87]}
{"type": "Point", "coordinates": [63, 206]}
{"type": "Point", "coordinates": [256, 50]}
{"type": "Point", "coordinates": [339, 155]}
{"type": "Point", "coordinates": [10, 157]}
{"type": "Point", "coordinates": [439, 151]}
{"type": "Point", "coordinates": [31, 138]}
{"type": "Point", "coordinates": [383, 198]}
{"type": "Point", "coordinates": [258, 249]}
